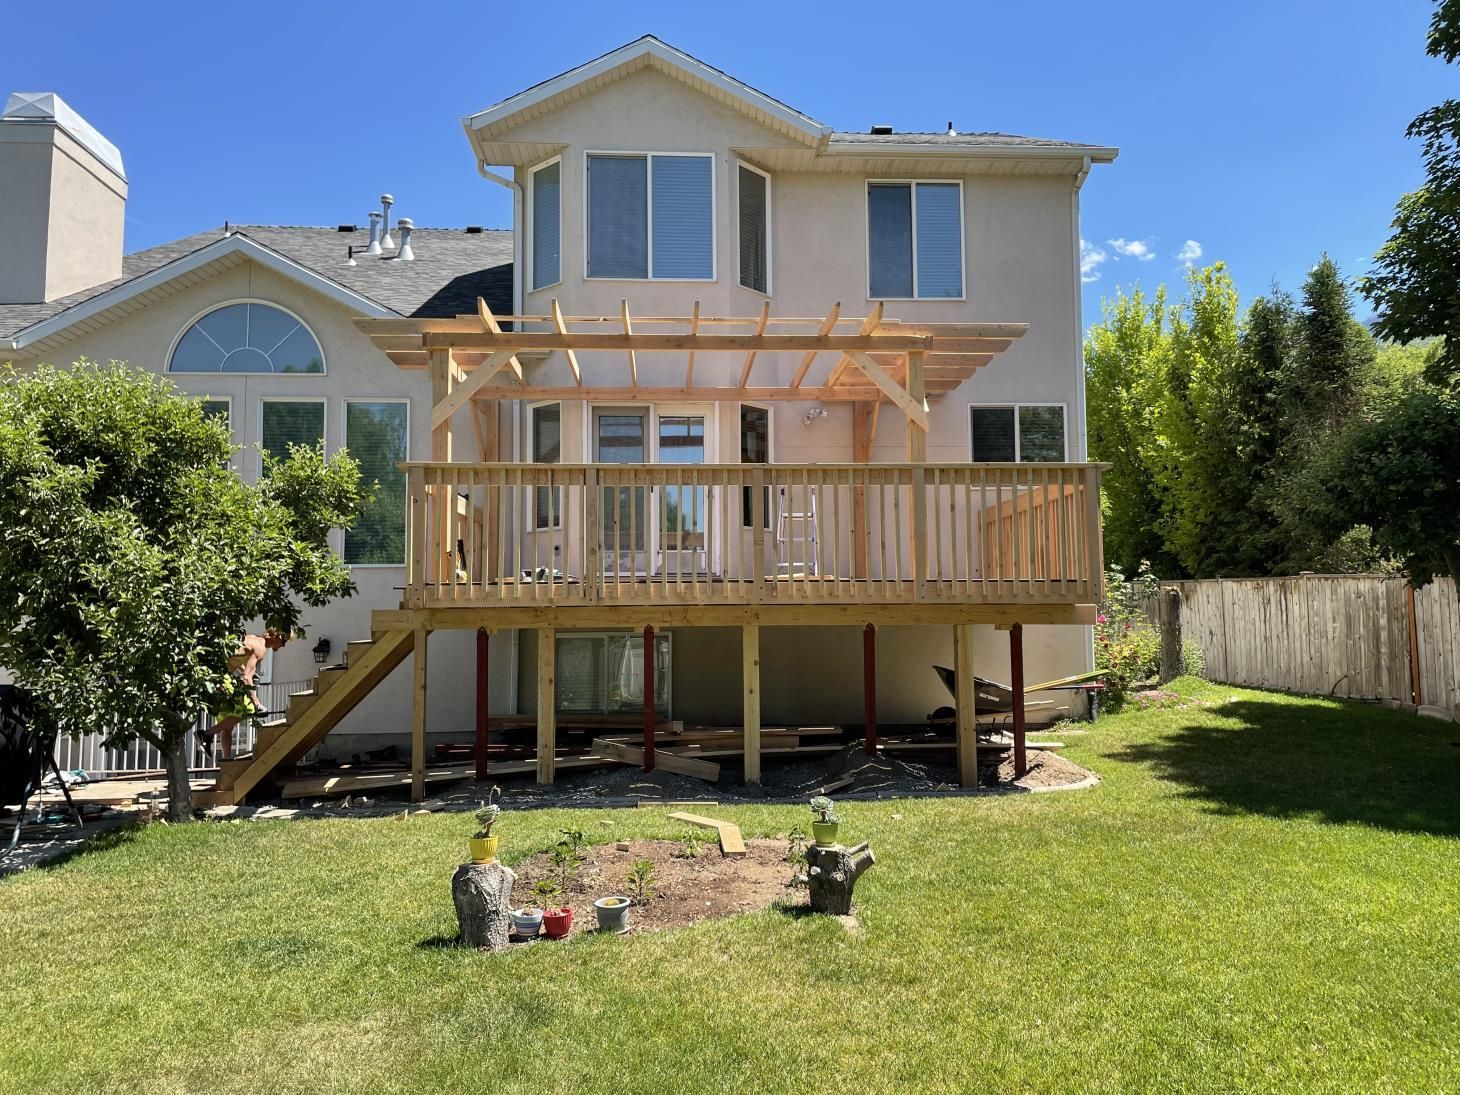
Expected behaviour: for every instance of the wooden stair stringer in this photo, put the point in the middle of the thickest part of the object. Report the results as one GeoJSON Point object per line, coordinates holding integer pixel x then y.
{"type": "Point", "coordinates": [325, 713]}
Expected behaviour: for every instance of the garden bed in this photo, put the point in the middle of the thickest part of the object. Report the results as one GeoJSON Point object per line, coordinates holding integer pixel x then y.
{"type": "Point", "coordinates": [686, 890]}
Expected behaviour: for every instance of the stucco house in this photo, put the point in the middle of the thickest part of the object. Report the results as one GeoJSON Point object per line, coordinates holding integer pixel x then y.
{"type": "Point", "coordinates": [732, 374]}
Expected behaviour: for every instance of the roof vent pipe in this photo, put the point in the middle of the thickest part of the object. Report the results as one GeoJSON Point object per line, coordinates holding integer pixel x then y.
{"type": "Point", "coordinates": [386, 201]}
{"type": "Point", "coordinates": [350, 256]}
{"type": "Point", "coordinates": [374, 248]}
{"type": "Point", "coordinates": [405, 254]}
{"type": "Point", "coordinates": [951, 131]}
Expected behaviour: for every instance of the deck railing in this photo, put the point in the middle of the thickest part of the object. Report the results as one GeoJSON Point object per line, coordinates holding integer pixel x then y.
{"type": "Point", "coordinates": [753, 533]}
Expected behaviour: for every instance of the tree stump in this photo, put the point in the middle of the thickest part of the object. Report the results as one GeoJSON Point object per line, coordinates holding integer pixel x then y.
{"type": "Point", "coordinates": [1169, 613]}
{"type": "Point", "coordinates": [482, 893]}
{"type": "Point", "coordinates": [832, 873]}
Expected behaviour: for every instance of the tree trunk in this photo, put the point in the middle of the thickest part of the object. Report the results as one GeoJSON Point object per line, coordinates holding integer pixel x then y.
{"type": "Point", "coordinates": [1170, 614]}
{"type": "Point", "coordinates": [832, 872]}
{"type": "Point", "coordinates": [482, 894]}
{"type": "Point", "coordinates": [179, 786]}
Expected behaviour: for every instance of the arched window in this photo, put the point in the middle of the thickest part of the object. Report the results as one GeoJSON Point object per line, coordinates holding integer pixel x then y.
{"type": "Point", "coordinates": [247, 338]}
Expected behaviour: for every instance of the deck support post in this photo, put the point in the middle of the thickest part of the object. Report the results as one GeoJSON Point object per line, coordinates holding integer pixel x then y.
{"type": "Point", "coordinates": [648, 699]}
{"type": "Point", "coordinates": [418, 718]}
{"type": "Point", "coordinates": [966, 702]}
{"type": "Point", "coordinates": [1016, 685]}
{"type": "Point", "coordinates": [750, 676]}
{"type": "Point", "coordinates": [869, 690]}
{"type": "Point", "coordinates": [547, 714]}
{"type": "Point", "coordinates": [483, 641]}
{"type": "Point", "coordinates": [441, 366]}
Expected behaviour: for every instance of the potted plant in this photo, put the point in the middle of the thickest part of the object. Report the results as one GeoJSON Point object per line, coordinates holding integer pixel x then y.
{"type": "Point", "coordinates": [557, 920]}
{"type": "Point", "coordinates": [484, 844]}
{"type": "Point", "coordinates": [825, 821]}
{"type": "Point", "coordinates": [613, 914]}
{"type": "Point", "coordinates": [527, 921]}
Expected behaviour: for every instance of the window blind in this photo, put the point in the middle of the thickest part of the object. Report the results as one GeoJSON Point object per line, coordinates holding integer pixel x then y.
{"type": "Point", "coordinates": [618, 217]}
{"type": "Point", "coordinates": [546, 225]}
{"type": "Point", "coordinates": [547, 448]}
{"type": "Point", "coordinates": [940, 240]}
{"type": "Point", "coordinates": [375, 434]}
{"type": "Point", "coordinates": [993, 434]}
{"type": "Point", "coordinates": [682, 217]}
{"type": "Point", "coordinates": [889, 241]}
{"type": "Point", "coordinates": [285, 422]}
{"type": "Point", "coordinates": [1042, 433]}
{"type": "Point", "coordinates": [753, 188]}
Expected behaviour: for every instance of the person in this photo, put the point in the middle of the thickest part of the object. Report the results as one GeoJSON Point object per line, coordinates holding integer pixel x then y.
{"type": "Point", "coordinates": [244, 703]}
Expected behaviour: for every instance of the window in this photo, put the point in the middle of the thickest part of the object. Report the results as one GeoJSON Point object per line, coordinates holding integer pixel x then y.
{"type": "Point", "coordinates": [603, 673]}
{"type": "Point", "coordinates": [285, 422]}
{"type": "Point", "coordinates": [651, 217]}
{"type": "Point", "coordinates": [547, 225]}
{"type": "Point", "coordinates": [755, 209]}
{"type": "Point", "coordinates": [547, 448]}
{"type": "Point", "coordinates": [247, 338]}
{"type": "Point", "coordinates": [221, 409]}
{"type": "Point", "coordinates": [1024, 433]}
{"type": "Point", "coordinates": [755, 448]}
{"type": "Point", "coordinates": [915, 240]}
{"type": "Point", "coordinates": [375, 434]}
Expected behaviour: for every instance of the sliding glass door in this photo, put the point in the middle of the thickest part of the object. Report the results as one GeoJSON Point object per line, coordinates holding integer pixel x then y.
{"type": "Point", "coordinates": [622, 437]}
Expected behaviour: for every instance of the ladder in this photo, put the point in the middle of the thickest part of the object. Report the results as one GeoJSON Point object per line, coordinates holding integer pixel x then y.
{"type": "Point", "coordinates": [793, 528]}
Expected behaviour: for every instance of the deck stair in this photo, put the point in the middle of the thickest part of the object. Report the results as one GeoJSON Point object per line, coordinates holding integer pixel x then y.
{"type": "Point", "coordinates": [311, 715]}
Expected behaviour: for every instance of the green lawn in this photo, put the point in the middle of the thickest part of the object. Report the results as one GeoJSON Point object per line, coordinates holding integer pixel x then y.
{"type": "Point", "coordinates": [1263, 895]}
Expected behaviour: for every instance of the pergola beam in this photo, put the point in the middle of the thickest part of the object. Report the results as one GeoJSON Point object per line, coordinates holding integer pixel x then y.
{"type": "Point", "coordinates": [870, 324]}
{"type": "Point", "coordinates": [864, 394]}
{"type": "Point", "coordinates": [562, 330]}
{"type": "Point", "coordinates": [915, 410]}
{"type": "Point", "coordinates": [489, 321]}
{"type": "Point", "coordinates": [461, 394]}
{"type": "Point", "coordinates": [827, 326]}
{"type": "Point", "coordinates": [520, 341]}
{"type": "Point", "coordinates": [765, 314]}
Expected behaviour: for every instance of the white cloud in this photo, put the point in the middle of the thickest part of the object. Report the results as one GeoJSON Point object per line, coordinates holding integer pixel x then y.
{"type": "Point", "coordinates": [1189, 253]}
{"type": "Point", "coordinates": [1132, 249]}
{"type": "Point", "coordinates": [1090, 259]}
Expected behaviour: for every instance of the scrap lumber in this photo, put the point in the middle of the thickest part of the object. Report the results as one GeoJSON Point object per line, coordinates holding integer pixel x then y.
{"type": "Point", "coordinates": [732, 845]}
{"type": "Point", "coordinates": [670, 762]}
{"type": "Point", "coordinates": [370, 781]}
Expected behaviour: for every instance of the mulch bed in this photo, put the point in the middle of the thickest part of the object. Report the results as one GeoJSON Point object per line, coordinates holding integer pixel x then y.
{"type": "Point", "coordinates": [685, 890]}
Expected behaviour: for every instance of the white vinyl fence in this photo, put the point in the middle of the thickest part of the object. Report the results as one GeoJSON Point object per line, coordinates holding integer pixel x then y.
{"type": "Point", "coordinates": [87, 753]}
{"type": "Point", "coordinates": [1360, 636]}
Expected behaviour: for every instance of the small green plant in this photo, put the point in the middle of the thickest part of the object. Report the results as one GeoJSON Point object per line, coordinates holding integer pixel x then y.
{"type": "Point", "coordinates": [796, 856]}
{"type": "Point", "coordinates": [576, 840]}
{"type": "Point", "coordinates": [548, 893]}
{"type": "Point", "coordinates": [690, 845]}
{"type": "Point", "coordinates": [824, 810]}
{"type": "Point", "coordinates": [642, 881]}
{"type": "Point", "coordinates": [1193, 659]}
{"type": "Point", "coordinates": [566, 864]}
{"type": "Point", "coordinates": [489, 814]}
{"type": "Point", "coordinates": [1127, 644]}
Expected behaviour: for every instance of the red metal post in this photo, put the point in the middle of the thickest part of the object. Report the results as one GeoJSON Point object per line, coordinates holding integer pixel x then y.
{"type": "Point", "coordinates": [869, 689]}
{"type": "Point", "coordinates": [1016, 685]}
{"type": "Point", "coordinates": [648, 699]}
{"type": "Point", "coordinates": [481, 746]}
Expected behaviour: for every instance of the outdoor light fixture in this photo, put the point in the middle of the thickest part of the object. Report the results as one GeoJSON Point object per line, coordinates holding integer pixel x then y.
{"type": "Point", "coordinates": [322, 651]}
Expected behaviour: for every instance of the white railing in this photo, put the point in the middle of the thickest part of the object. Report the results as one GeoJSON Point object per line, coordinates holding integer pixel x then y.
{"type": "Point", "coordinates": [744, 533]}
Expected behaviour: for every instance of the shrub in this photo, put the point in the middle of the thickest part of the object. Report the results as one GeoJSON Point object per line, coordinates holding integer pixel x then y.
{"type": "Point", "coordinates": [1193, 658]}
{"type": "Point", "coordinates": [1127, 646]}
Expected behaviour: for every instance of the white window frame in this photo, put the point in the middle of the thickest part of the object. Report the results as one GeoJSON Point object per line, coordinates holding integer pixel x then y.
{"type": "Point", "coordinates": [531, 221]}
{"type": "Point", "coordinates": [345, 429]}
{"type": "Point", "coordinates": [531, 524]}
{"type": "Point", "coordinates": [912, 185]}
{"type": "Point", "coordinates": [259, 431]}
{"type": "Point", "coordinates": [662, 633]}
{"type": "Point", "coordinates": [324, 366]}
{"type": "Point", "coordinates": [649, 211]}
{"type": "Point", "coordinates": [1018, 441]}
{"type": "Point", "coordinates": [769, 232]}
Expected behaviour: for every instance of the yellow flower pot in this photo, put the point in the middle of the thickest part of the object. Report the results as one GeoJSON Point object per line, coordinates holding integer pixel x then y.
{"type": "Point", "coordinates": [484, 849]}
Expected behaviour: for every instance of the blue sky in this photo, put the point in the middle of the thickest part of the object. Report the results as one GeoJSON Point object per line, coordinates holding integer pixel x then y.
{"type": "Point", "coordinates": [1266, 132]}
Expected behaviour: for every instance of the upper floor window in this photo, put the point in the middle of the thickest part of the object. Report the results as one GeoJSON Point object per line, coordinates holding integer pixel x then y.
{"type": "Point", "coordinates": [247, 337]}
{"type": "Point", "coordinates": [651, 216]}
{"type": "Point", "coordinates": [1022, 432]}
{"type": "Point", "coordinates": [547, 235]}
{"type": "Point", "coordinates": [914, 240]}
{"type": "Point", "coordinates": [755, 211]}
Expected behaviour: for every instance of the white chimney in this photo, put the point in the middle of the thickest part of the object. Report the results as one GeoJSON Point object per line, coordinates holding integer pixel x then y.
{"type": "Point", "coordinates": [64, 197]}
{"type": "Point", "coordinates": [374, 248]}
{"type": "Point", "coordinates": [405, 254]}
{"type": "Point", "coordinates": [386, 201]}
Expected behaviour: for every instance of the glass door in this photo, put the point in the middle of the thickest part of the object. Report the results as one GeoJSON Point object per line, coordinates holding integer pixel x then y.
{"type": "Point", "coordinates": [621, 437]}
{"type": "Point", "coordinates": [682, 510]}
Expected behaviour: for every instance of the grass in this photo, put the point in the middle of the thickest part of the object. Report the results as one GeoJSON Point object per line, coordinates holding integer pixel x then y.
{"type": "Point", "coordinates": [1262, 895]}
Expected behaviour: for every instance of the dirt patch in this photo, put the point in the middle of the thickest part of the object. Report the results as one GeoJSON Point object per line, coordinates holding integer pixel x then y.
{"type": "Point", "coordinates": [685, 890]}
{"type": "Point", "coordinates": [1045, 769]}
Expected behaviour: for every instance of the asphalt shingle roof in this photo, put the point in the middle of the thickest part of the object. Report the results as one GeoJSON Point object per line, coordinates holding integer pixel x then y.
{"type": "Point", "coordinates": [452, 268]}
{"type": "Point", "coordinates": [1000, 140]}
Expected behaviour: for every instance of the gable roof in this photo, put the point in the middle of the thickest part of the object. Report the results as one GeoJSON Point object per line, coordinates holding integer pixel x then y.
{"type": "Point", "coordinates": [485, 125]}
{"type": "Point", "coordinates": [452, 268]}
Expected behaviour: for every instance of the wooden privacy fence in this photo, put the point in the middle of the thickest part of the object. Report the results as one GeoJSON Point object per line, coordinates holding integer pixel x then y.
{"type": "Point", "coordinates": [1357, 636]}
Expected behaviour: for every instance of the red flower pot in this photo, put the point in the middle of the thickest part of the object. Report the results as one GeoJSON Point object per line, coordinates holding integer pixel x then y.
{"type": "Point", "coordinates": [556, 923]}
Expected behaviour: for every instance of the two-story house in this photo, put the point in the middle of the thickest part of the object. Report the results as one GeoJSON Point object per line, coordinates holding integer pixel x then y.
{"type": "Point", "coordinates": [774, 416]}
